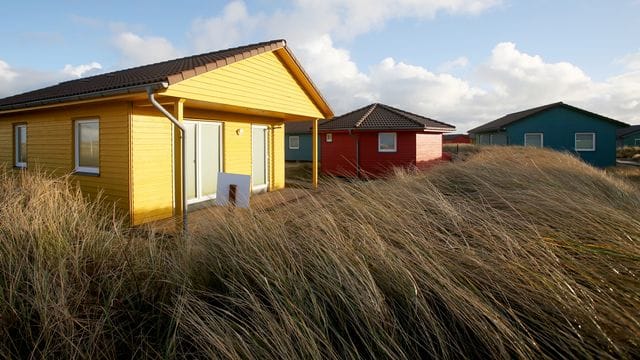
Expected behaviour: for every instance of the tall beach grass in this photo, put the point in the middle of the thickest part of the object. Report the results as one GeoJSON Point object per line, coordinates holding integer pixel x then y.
{"type": "Point", "coordinates": [514, 253]}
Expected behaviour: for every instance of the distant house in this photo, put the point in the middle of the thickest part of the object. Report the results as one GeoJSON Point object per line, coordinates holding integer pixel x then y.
{"type": "Point", "coordinates": [120, 133]}
{"type": "Point", "coordinates": [371, 140]}
{"type": "Point", "coordinates": [629, 136]}
{"type": "Point", "coordinates": [298, 141]}
{"type": "Point", "coordinates": [557, 126]}
{"type": "Point", "coordinates": [456, 139]}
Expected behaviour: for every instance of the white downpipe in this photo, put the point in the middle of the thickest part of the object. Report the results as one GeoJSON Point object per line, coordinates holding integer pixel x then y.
{"type": "Point", "coordinates": [170, 116]}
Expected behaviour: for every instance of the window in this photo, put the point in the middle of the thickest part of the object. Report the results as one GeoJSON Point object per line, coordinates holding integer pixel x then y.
{"type": "Point", "coordinates": [329, 137]}
{"type": "Point", "coordinates": [636, 142]}
{"type": "Point", "coordinates": [20, 141]}
{"type": "Point", "coordinates": [294, 142]}
{"type": "Point", "coordinates": [387, 142]}
{"type": "Point", "coordinates": [87, 146]}
{"type": "Point", "coordinates": [585, 142]}
{"type": "Point", "coordinates": [534, 139]}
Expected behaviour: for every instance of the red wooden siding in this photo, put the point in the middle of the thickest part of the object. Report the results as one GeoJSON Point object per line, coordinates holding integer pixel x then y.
{"type": "Point", "coordinates": [376, 163]}
{"type": "Point", "coordinates": [338, 157]}
{"type": "Point", "coordinates": [412, 149]}
{"type": "Point", "coordinates": [428, 148]}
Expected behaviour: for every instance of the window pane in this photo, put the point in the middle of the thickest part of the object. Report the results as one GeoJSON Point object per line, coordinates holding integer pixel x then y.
{"type": "Point", "coordinates": [259, 156]}
{"type": "Point", "coordinates": [534, 140]}
{"type": "Point", "coordinates": [387, 141]}
{"type": "Point", "coordinates": [210, 158]}
{"type": "Point", "coordinates": [329, 137]}
{"type": "Point", "coordinates": [89, 144]}
{"type": "Point", "coordinates": [294, 142]}
{"type": "Point", "coordinates": [23, 144]}
{"type": "Point", "coordinates": [584, 141]}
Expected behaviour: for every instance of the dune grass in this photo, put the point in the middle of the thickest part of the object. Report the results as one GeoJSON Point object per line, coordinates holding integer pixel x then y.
{"type": "Point", "coordinates": [521, 253]}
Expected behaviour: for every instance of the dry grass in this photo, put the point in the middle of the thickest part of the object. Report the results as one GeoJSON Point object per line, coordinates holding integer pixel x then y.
{"type": "Point", "coordinates": [513, 253]}
{"type": "Point", "coordinates": [461, 152]}
{"type": "Point", "coordinates": [628, 152]}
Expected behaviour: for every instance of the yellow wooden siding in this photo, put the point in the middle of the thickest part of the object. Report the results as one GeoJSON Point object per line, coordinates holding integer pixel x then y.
{"type": "Point", "coordinates": [260, 82]}
{"type": "Point", "coordinates": [50, 146]}
{"type": "Point", "coordinates": [6, 142]}
{"type": "Point", "coordinates": [151, 166]}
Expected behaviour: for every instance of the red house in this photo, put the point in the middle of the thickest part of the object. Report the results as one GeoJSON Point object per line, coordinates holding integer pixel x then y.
{"type": "Point", "coordinates": [372, 140]}
{"type": "Point", "coordinates": [456, 139]}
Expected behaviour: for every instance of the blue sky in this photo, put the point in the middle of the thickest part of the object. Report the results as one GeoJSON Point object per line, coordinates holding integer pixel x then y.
{"type": "Point", "coordinates": [461, 61]}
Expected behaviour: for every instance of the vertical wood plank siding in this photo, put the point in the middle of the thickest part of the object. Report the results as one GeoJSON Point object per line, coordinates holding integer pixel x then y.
{"type": "Point", "coordinates": [151, 166]}
{"type": "Point", "coordinates": [50, 146]}
{"type": "Point", "coordinates": [260, 82]}
{"type": "Point", "coordinates": [428, 148]}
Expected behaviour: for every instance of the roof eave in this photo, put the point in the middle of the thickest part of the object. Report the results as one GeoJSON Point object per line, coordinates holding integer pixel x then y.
{"type": "Point", "coordinates": [82, 97]}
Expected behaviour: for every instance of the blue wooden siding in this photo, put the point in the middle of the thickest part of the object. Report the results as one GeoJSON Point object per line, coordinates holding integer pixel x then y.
{"type": "Point", "coordinates": [304, 153]}
{"type": "Point", "coordinates": [559, 126]}
{"type": "Point", "coordinates": [631, 139]}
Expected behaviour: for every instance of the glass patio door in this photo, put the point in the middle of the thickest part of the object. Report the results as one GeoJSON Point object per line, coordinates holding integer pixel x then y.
{"type": "Point", "coordinates": [259, 158]}
{"type": "Point", "coordinates": [203, 159]}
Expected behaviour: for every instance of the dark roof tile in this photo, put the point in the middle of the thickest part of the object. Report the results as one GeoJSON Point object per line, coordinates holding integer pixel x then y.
{"type": "Point", "coordinates": [383, 117]}
{"type": "Point", "coordinates": [627, 131]}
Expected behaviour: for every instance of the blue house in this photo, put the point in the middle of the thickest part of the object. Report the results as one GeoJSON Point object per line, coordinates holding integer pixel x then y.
{"type": "Point", "coordinates": [557, 126]}
{"type": "Point", "coordinates": [298, 141]}
{"type": "Point", "coordinates": [629, 136]}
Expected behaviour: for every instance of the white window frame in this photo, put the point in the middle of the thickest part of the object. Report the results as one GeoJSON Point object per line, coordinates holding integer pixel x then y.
{"type": "Point", "coordinates": [541, 138]}
{"type": "Point", "coordinates": [294, 147]}
{"type": "Point", "coordinates": [198, 154]}
{"type": "Point", "coordinates": [76, 144]}
{"type": "Point", "coordinates": [575, 143]}
{"type": "Point", "coordinates": [395, 142]}
{"type": "Point", "coordinates": [329, 137]}
{"type": "Point", "coordinates": [16, 140]}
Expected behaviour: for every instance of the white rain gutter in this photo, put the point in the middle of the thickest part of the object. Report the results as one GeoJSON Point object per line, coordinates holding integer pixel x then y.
{"type": "Point", "coordinates": [175, 122]}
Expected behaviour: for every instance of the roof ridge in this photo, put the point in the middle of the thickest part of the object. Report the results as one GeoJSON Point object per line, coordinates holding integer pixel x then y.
{"type": "Point", "coordinates": [366, 115]}
{"type": "Point", "coordinates": [404, 112]}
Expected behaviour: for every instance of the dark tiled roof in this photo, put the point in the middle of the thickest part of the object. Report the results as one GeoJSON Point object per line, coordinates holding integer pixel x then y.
{"type": "Point", "coordinates": [499, 124]}
{"type": "Point", "coordinates": [170, 72]}
{"type": "Point", "coordinates": [300, 127]}
{"type": "Point", "coordinates": [453, 136]}
{"type": "Point", "coordinates": [383, 117]}
{"type": "Point", "coordinates": [627, 131]}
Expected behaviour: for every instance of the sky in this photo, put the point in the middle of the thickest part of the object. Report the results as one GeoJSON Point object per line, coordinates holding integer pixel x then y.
{"type": "Point", "coordinates": [463, 62]}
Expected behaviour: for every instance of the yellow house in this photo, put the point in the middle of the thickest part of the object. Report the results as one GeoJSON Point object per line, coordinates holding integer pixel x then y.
{"type": "Point", "coordinates": [121, 133]}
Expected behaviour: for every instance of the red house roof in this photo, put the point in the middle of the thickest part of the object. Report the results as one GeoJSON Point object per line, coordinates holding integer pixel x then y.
{"type": "Point", "coordinates": [384, 117]}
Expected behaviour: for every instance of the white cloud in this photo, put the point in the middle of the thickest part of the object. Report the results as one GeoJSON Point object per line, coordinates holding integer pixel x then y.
{"type": "Point", "coordinates": [630, 61]}
{"type": "Point", "coordinates": [458, 63]}
{"type": "Point", "coordinates": [81, 70]}
{"type": "Point", "coordinates": [6, 74]}
{"type": "Point", "coordinates": [138, 50]}
{"type": "Point", "coordinates": [235, 23]}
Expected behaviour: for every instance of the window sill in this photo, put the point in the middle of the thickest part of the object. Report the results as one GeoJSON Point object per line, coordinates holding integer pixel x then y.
{"type": "Point", "coordinates": [83, 173]}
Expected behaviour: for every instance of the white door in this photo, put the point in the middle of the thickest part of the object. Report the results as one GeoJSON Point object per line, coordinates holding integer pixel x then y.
{"type": "Point", "coordinates": [259, 158]}
{"type": "Point", "coordinates": [203, 159]}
